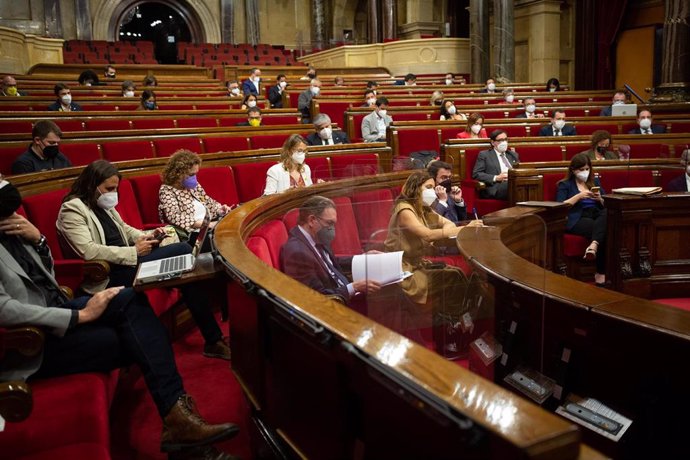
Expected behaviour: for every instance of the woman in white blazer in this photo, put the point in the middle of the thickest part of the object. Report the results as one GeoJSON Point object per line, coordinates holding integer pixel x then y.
{"type": "Point", "coordinates": [291, 171]}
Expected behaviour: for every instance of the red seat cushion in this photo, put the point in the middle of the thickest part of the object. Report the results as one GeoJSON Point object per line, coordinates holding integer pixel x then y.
{"type": "Point", "coordinates": [146, 191]}
{"type": "Point", "coordinates": [347, 240]}
{"type": "Point", "coordinates": [574, 245]}
{"type": "Point", "coordinates": [320, 168]}
{"type": "Point", "coordinates": [225, 144]}
{"type": "Point", "coordinates": [219, 184]}
{"type": "Point", "coordinates": [166, 147]}
{"type": "Point", "coordinates": [259, 247]}
{"type": "Point", "coordinates": [107, 125]}
{"type": "Point", "coordinates": [534, 153]}
{"type": "Point", "coordinates": [550, 185]}
{"type": "Point", "coordinates": [197, 122]}
{"type": "Point", "coordinates": [81, 154]}
{"type": "Point", "coordinates": [90, 450]}
{"type": "Point", "coordinates": [682, 303]}
{"type": "Point", "coordinates": [280, 120]}
{"type": "Point", "coordinates": [70, 125]}
{"type": "Point", "coordinates": [42, 210]}
{"type": "Point", "coordinates": [7, 156]}
{"type": "Point", "coordinates": [153, 123]}
{"type": "Point", "coordinates": [290, 218]}
{"type": "Point", "coordinates": [372, 211]}
{"type": "Point", "coordinates": [344, 166]}
{"type": "Point", "coordinates": [268, 141]}
{"type": "Point", "coordinates": [413, 140]}
{"type": "Point", "coordinates": [625, 178]}
{"type": "Point", "coordinates": [649, 151]}
{"type": "Point", "coordinates": [127, 150]}
{"type": "Point", "coordinates": [585, 129]}
{"type": "Point", "coordinates": [251, 179]}
{"type": "Point", "coordinates": [275, 235]}
{"type": "Point", "coordinates": [127, 205]}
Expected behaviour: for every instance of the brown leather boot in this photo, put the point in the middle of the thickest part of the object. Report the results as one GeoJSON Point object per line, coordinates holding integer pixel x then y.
{"type": "Point", "coordinates": [184, 428]}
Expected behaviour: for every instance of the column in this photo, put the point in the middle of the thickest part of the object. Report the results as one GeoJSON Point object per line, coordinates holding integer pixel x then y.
{"type": "Point", "coordinates": [53, 20]}
{"type": "Point", "coordinates": [82, 15]}
{"type": "Point", "coordinates": [675, 65]}
{"type": "Point", "coordinates": [541, 19]}
{"type": "Point", "coordinates": [251, 10]}
{"type": "Point", "coordinates": [479, 40]}
{"type": "Point", "coordinates": [227, 19]}
{"type": "Point", "coordinates": [318, 24]}
{"type": "Point", "coordinates": [389, 19]}
{"type": "Point", "coordinates": [504, 40]}
{"type": "Point", "coordinates": [373, 21]}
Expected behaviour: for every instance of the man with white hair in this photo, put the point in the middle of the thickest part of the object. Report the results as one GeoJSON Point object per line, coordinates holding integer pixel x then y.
{"type": "Point", "coordinates": [323, 132]}
{"type": "Point", "coordinates": [305, 97]}
{"type": "Point", "coordinates": [681, 183]}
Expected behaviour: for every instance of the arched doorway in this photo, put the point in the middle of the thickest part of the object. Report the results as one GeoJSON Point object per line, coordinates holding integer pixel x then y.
{"type": "Point", "coordinates": [158, 23]}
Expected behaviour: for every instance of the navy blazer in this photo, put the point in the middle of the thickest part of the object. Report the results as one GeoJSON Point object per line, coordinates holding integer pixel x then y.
{"type": "Point", "coordinates": [568, 189]}
{"type": "Point", "coordinates": [55, 107]}
{"type": "Point", "coordinates": [677, 184]}
{"type": "Point", "coordinates": [453, 212]}
{"type": "Point", "coordinates": [339, 137]}
{"type": "Point", "coordinates": [656, 129]}
{"type": "Point", "coordinates": [299, 259]}
{"type": "Point", "coordinates": [249, 88]}
{"type": "Point", "coordinates": [568, 130]}
{"type": "Point", "coordinates": [275, 97]}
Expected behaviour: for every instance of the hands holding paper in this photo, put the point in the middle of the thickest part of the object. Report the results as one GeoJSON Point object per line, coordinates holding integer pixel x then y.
{"type": "Point", "coordinates": [367, 286]}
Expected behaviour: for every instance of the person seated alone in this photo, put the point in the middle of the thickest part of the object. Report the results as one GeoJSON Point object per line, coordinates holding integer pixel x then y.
{"type": "Point", "coordinates": [557, 127]}
{"type": "Point", "coordinates": [93, 333]}
{"type": "Point", "coordinates": [374, 125]}
{"type": "Point", "coordinates": [233, 87]}
{"type": "Point", "coordinates": [323, 132]}
{"type": "Point", "coordinates": [682, 182]}
{"type": "Point", "coordinates": [369, 98]}
{"type": "Point", "coordinates": [530, 109]}
{"type": "Point", "coordinates": [88, 78]}
{"type": "Point", "coordinates": [64, 100]}
{"type": "Point", "coordinates": [409, 80]}
{"type": "Point", "coordinates": [147, 100]}
{"type": "Point", "coordinates": [128, 88]}
{"type": "Point", "coordinates": [305, 97]}
{"type": "Point", "coordinates": [9, 87]}
{"type": "Point", "coordinates": [150, 80]}
{"type": "Point", "coordinates": [618, 98]}
{"type": "Point", "coordinates": [253, 118]}
{"type": "Point", "coordinates": [43, 154]}
{"type": "Point", "coordinates": [110, 72]}
{"type": "Point", "coordinates": [645, 125]}
{"type": "Point", "coordinates": [252, 85]}
{"type": "Point", "coordinates": [492, 166]}
{"type": "Point", "coordinates": [275, 94]}
{"type": "Point", "coordinates": [490, 87]}
{"type": "Point", "coordinates": [307, 256]}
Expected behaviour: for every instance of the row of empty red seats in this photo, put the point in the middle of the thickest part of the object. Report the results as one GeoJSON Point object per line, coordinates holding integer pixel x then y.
{"type": "Point", "coordinates": [209, 54]}
{"type": "Point", "coordinates": [103, 52]}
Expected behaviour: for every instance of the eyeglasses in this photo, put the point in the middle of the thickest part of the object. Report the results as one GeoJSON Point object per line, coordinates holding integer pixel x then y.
{"type": "Point", "coordinates": [328, 223]}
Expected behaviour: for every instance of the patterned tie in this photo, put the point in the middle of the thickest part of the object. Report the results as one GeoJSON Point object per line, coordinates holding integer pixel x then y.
{"type": "Point", "coordinates": [506, 163]}
{"type": "Point", "coordinates": [337, 276]}
{"type": "Point", "coordinates": [558, 132]}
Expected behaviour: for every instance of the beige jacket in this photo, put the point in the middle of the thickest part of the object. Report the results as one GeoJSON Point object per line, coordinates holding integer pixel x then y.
{"type": "Point", "coordinates": [81, 237]}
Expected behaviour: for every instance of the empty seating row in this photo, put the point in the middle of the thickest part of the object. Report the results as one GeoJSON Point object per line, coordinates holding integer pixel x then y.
{"type": "Point", "coordinates": [102, 52]}
{"type": "Point", "coordinates": [208, 54]}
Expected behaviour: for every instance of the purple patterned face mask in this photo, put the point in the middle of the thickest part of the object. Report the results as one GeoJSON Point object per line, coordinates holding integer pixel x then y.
{"type": "Point", "coordinates": [190, 182]}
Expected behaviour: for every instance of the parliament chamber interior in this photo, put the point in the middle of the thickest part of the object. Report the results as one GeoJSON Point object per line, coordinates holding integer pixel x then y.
{"type": "Point", "coordinates": [414, 229]}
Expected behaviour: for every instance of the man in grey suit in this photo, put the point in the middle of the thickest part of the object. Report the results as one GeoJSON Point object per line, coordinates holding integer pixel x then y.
{"type": "Point", "coordinates": [492, 166]}
{"type": "Point", "coordinates": [96, 333]}
{"type": "Point", "coordinates": [374, 125]}
{"type": "Point", "coordinates": [305, 97]}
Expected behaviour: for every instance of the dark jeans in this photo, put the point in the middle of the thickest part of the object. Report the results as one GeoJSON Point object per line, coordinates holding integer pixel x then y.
{"type": "Point", "coordinates": [127, 332]}
{"type": "Point", "coordinates": [592, 225]}
{"type": "Point", "coordinates": [195, 296]}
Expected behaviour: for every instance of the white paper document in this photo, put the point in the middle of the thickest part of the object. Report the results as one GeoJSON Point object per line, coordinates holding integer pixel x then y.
{"type": "Point", "coordinates": [386, 268]}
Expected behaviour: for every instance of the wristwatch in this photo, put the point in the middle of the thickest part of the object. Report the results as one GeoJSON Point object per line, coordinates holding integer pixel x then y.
{"type": "Point", "coordinates": [42, 243]}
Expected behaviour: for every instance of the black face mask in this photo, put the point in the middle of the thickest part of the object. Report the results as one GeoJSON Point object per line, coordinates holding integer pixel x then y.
{"type": "Point", "coordinates": [50, 151]}
{"type": "Point", "coordinates": [446, 184]}
{"type": "Point", "coordinates": [311, 75]}
{"type": "Point", "coordinates": [601, 149]}
{"type": "Point", "coordinates": [10, 200]}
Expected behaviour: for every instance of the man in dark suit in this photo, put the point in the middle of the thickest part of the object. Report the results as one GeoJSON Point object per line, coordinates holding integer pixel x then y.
{"type": "Point", "coordinates": [681, 183]}
{"type": "Point", "coordinates": [618, 98]}
{"type": "Point", "coordinates": [64, 100]}
{"type": "Point", "coordinates": [307, 256]}
{"type": "Point", "coordinates": [96, 333]}
{"type": "Point", "coordinates": [305, 97]}
{"type": "Point", "coordinates": [275, 94]}
{"type": "Point", "coordinates": [43, 154]}
{"type": "Point", "coordinates": [323, 132]}
{"type": "Point", "coordinates": [490, 87]}
{"type": "Point", "coordinates": [492, 166]}
{"type": "Point", "coordinates": [9, 87]}
{"type": "Point", "coordinates": [645, 126]}
{"type": "Point", "coordinates": [449, 202]}
{"type": "Point", "coordinates": [253, 118]}
{"type": "Point", "coordinates": [252, 85]}
{"type": "Point", "coordinates": [530, 109]}
{"type": "Point", "coordinates": [557, 127]}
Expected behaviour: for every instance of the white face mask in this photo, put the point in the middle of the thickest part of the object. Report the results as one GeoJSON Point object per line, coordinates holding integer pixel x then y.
{"type": "Point", "coordinates": [582, 175]}
{"type": "Point", "coordinates": [552, 90]}
{"type": "Point", "coordinates": [559, 124]}
{"type": "Point", "coordinates": [315, 90]}
{"type": "Point", "coordinates": [502, 147]}
{"type": "Point", "coordinates": [282, 84]}
{"type": "Point", "coordinates": [452, 110]}
{"type": "Point", "coordinates": [449, 81]}
{"type": "Point", "coordinates": [326, 133]}
{"type": "Point", "coordinates": [235, 91]}
{"type": "Point", "coordinates": [66, 99]}
{"type": "Point", "coordinates": [475, 128]}
{"type": "Point", "coordinates": [510, 98]}
{"type": "Point", "coordinates": [645, 123]}
{"type": "Point", "coordinates": [251, 103]}
{"type": "Point", "coordinates": [256, 79]}
{"type": "Point", "coordinates": [531, 108]}
{"type": "Point", "coordinates": [428, 196]}
{"type": "Point", "coordinates": [107, 200]}
{"type": "Point", "coordinates": [129, 93]}
{"type": "Point", "coordinates": [619, 102]}
{"type": "Point", "coordinates": [299, 156]}
{"type": "Point", "coordinates": [382, 113]}
{"type": "Point", "coordinates": [371, 101]}
{"type": "Point", "coordinates": [491, 86]}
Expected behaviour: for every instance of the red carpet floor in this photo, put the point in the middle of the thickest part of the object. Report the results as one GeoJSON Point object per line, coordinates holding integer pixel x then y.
{"type": "Point", "coordinates": [136, 426]}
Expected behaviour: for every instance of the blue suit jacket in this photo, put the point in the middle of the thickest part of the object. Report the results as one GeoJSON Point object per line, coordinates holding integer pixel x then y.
{"type": "Point", "coordinates": [55, 107]}
{"type": "Point", "coordinates": [656, 129]}
{"type": "Point", "coordinates": [452, 212]}
{"type": "Point", "coordinates": [339, 137]}
{"type": "Point", "coordinates": [249, 88]}
{"type": "Point", "coordinates": [568, 189]}
{"type": "Point", "coordinates": [568, 130]}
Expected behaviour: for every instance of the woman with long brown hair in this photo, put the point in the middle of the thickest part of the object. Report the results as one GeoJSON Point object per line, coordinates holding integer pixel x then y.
{"type": "Point", "coordinates": [291, 171]}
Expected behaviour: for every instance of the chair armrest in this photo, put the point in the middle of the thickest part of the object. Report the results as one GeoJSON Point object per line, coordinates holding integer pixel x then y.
{"type": "Point", "coordinates": [96, 270]}
{"type": "Point", "coordinates": [16, 402]}
{"type": "Point", "coordinates": [69, 293]}
{"type": "Point", "coordinates": [26, 341]}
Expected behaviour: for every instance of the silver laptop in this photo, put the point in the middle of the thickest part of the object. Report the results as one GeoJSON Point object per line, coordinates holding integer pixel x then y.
{"type": "Point", "coordinates": [624, 110]}
{"type": "Point", "coordinates": [173, 267]}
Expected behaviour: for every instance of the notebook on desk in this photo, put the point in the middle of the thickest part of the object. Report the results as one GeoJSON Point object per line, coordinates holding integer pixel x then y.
{"type": "Point", "coordinates": [173, 267]}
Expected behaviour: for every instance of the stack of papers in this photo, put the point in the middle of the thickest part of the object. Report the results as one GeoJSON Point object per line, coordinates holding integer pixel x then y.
{"type": "Point", "coordinates": [385, 268]}
{"type": "Point", "coordinates": [642, 191]}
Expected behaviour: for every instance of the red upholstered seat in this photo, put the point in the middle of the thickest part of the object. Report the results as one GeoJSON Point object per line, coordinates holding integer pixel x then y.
{"type": "Point", "coordinates": [15, 126]}
{"type": "Point", "coordinates": [219, 183]}
{"type": "Point", "coordinates": [70, 125]}
{"type": "Point", "coordinates": [180, 107]}
{"type": "Point", "coordinates": [127, 205]}
{"type": "Point", "coordinates": [649, 151]}
{"type": "Point", "coordinates": [7, 156]}
{"type": "Point", "coordinates": [372, 210]}
{"type": "Point", "coordinates": [413, 140]}
{"type": "Point", "coordinates": [290, 218]}
{"type": "Point", "coordinates": [412, 116]}
{"type": "Point", "coordinates": [280, 120]}
{"type": "Point", "coordinates": [550, 185]}
{"type": "Point", "coordinates": [259, 247]}
{"type": "Point", "coordinates": [275, 235]}
{"type": "Point", "coordinates": [197, 122]}
{"type": "Point", "coordinates": [573, 149]}
{"type": "Point", "coordinates": [153, 123]}
{"type": "Point", "coordinates": [514, 130]}
{"type": "Point", "coordinates": [127, 150]}
{"type": "Point", "coordinates": [268, 141]}
{"type": "Point", "coordinates": [90, 450]}
{"type": "Point", "coordinates": [450, 133]}
{"type": "Point", "coordinates": [116, 124]}
{"type": "Point", "coordinates": [344, 166]}
{"type": "Point", "coordinates": [320, 168]}
{"type": "Point", "coordinates": [166, 147]}
{"type": "Point", "coordinates": [574, 245]}
{"type": "Point", "coordinates": [679, 127]}
{"type": "Point", "coordinates": [81, 154]}
{"type": "Point", "coordinates": [534, 153]}
{"type": "Point", "coordinates": [146, 191]}
{"type": "Point", "coordinates": [347, 235]}
{"type": "Point", "coordinates": [42, 210]}
{"type": "Point", "coordinates": [251, 179]}
{"type": "Point", "coordinates": [626, 178]}
{"type": "Point", "coordinates": [585, 129]}
{"type": "Point", "coordinates": [682, 303]}
{"type": "Point", "coordinates": [225, 144]}
{"type": "Point", "coordinates": [469, 189]}
{"type": "Point", "coordinates": [335, 110]}
{"type": "Point", "coordinates": [231, 121]}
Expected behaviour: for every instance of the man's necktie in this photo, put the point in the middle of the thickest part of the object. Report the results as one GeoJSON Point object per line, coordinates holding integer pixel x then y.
{"type": "Point", "coordinates": [557, 132]}
{"type": "Point", "coordinates": [334, 272]}
{"type": "Point", "coordinates": [506, 163]}
{"type": "Point", "coordinates": [647, 131]}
